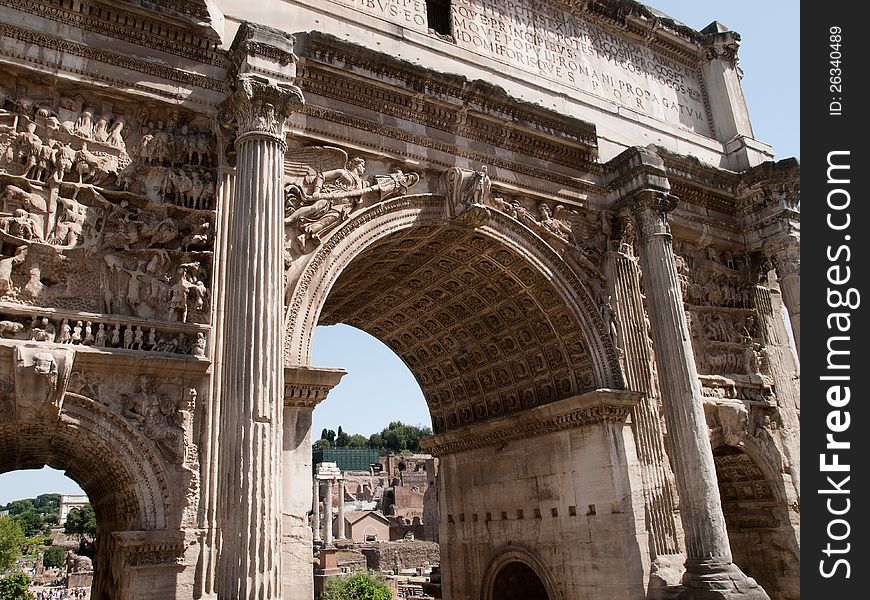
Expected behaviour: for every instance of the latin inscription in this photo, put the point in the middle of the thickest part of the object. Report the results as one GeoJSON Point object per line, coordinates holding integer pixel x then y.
{"type": "Point", "coordinates": [407, 13]}
{"type": "Point", "coordinates": [547, 41]}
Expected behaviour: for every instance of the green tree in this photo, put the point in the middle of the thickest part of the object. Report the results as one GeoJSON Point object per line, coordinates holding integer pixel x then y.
{"type": "Point", "coordinates": [357, 441]}
{"type": "Point", "coordinates": [341, 439]}
{"type": "Point", "coordinates": [46, 501]}
{"type": "Point", "coordinates": [31, 523]}
{"type": "Point", "coordinates": [11, 540]}
{"type": "Point", "coordinates": [53, 557]}
{"type": "Point", "coordinates": [16, 507]}
{"type": "Point", "coordinates": [81, 522]}
{"type": "Point", "coordinates": [14, 587]}
{"type": "Point", "coordinates": [376, 441]}
{"type": "Point", "coordinates": [321, 444]}
{"type": "Point", "coordinates": [359, 586]}
{"type": "Point", "coordinates": [398, 437]}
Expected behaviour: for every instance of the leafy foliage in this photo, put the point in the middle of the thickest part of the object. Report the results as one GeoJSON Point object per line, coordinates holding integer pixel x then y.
{"type": "Point", "coordinates": [359, 586]}
{"type": "Point", "coordinates": [17, 507]}
{"type": "Point", "coordinates": [14, 587]}
{"type": "Point", "coordinates": [11, 540]}
{"type": "Point", "coordinates": [31, 523]}
{"type": "Point", "coordinates": [53, 557]}
{"type": "Point", "coordinates": [398, 437]}
{"type": "Point", "coordinates": [321, 444]}
{"type": "Point", "coordinates": [82, 522]}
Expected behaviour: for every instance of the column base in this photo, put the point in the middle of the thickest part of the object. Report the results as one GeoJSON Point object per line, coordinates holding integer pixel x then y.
{"type": "Point", "coordinates": [719, 581]}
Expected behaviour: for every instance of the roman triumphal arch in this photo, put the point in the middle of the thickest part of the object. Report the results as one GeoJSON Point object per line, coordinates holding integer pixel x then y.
{"type": "Point", "coordinates": [584, 263]}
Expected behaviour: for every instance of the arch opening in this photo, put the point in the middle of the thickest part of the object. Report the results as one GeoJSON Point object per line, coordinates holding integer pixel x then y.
{"type": "Point", "coordinates": [484, 332]}
{"type": "Point", "coordinates": [108, 459]}
{"type": "Point", "coordinates": [757, 522]}
{"type": "Point", "coordinates": [518, 581]}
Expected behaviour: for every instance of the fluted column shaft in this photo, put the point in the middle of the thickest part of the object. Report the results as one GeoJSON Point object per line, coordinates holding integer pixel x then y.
{"type": "Point", "coordinates": [630, 320]}
{"type": "Point", "coordinates": [253, 376]}
{"type": "Point", "coordinates": [327, 508]}
{"type": "Point", "coordinates": [788, 273]}
{"type": "Point", "coordinates": [316, 518]}
{"type": "Point", "coordinates": [708, 554]}
{"type": "Point", "coordinates": [340, 533]}
{"type": "Point", "coordinates": [692, 456]}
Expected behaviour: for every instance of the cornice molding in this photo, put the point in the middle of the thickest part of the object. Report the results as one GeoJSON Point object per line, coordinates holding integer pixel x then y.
{"type": "Point", "coordinates": [62, 46]}
{"type": "Point", "coordinates": [306, 387]}
{"type": "Point", "coordinates": [113, 21]}
{"type": "Point", "coordinates": [591, 408]}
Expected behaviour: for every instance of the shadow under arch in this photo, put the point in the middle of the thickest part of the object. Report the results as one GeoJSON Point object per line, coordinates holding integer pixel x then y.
{"type": "Point", "coordinates": [759, 518]}
{"type": "Point", "coordinates": [507, 322]}
{"type": "Point", "coordinates": [109, 459]}
{"type": "Point", "coordinates": [517, 555]}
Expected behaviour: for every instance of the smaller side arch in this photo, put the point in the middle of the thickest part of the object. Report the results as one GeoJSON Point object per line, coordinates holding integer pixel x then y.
{"type": "Point", "coordinates": [524, 556]}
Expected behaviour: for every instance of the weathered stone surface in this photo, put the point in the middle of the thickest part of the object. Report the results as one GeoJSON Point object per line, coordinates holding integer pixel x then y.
{"type": "Point", "coordinates": [185, 195]}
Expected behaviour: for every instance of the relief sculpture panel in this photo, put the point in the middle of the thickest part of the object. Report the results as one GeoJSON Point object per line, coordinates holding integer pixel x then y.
{"type": "Point", "coordinates": [106, 208]}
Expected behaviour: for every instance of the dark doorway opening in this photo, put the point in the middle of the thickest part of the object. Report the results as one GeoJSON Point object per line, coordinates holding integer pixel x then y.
{"type": "Point", "coordinates": [517, 581]}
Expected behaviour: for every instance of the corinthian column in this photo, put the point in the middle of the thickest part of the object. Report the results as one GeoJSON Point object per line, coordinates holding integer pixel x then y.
{"type": "Point", "coordinates": [787, 261]}
{"type": "Point", "coordinates": [710, 572]}
{"type": "Point", "coordinates": [253, 375]}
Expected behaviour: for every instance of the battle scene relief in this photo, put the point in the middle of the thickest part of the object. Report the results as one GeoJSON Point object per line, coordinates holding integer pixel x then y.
{"type": "Point", "coordinates": [106, 220]}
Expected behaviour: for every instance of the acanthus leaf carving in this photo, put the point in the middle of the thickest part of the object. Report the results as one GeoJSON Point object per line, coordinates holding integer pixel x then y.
{"type": "Point", "coordinates": [261, 106]}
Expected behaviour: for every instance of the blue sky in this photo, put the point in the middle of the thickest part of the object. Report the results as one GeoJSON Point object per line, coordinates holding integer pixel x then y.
{"type": "Point", "coordinates": [378, 387]}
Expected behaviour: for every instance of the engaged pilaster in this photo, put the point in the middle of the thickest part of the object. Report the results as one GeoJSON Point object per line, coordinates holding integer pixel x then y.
{"type": "Point", "coordinates": [253, 374]}
{"type": "Point", "coordinates": [304, 388]}
{"type": "Point", "coordinates": [631, 325]}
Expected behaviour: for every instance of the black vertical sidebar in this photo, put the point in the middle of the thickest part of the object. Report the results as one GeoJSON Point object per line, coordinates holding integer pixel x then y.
{"type": "Point", "coordinates": [835, 343]}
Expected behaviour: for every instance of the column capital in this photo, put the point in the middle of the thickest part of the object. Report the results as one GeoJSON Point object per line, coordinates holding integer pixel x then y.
{"type": "Point", "coordinates": [262, 71]}
{"type": "Point", "coordinates": [785, 253]}
{"type": "Point", "coordinates": [720, 43]}
{"type": "Point", "coordinates": [260, 106]}
{"type": "Point", "coordinates": [650, 208]}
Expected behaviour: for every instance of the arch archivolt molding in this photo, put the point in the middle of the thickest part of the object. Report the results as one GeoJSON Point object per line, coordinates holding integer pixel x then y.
{"type": "Point", "coordinates": [310, 282]}
{"type": "Point", "coordinates": [141, 468]}
{"type": "Point", "coordinates": [526, 556]}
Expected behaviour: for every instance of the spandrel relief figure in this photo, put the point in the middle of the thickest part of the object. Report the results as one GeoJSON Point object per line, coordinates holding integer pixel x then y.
{"type": "Point", "coordinates": [324, 187]}
{"type": "Point", "coordinates": [158, 416]}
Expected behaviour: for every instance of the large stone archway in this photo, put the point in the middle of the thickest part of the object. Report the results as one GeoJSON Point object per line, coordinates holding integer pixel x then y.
{"type": "Point", "coordinates": [187, 194]}
{"type": "Point", "coordinates": [137, 477]}
{"type": "Point", "coordinates": [517, 573]}
{"type": "Point", "coordinates": [518, 370]}
{"type": "Point", "coordinates": [759, 521]}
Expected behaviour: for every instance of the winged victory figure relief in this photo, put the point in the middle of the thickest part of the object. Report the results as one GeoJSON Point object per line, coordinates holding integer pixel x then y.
{"type": "Point", "coordinates": [325, 186]}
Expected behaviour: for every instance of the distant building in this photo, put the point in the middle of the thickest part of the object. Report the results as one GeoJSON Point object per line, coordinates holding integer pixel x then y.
{"type": "Point", "coordinates": [68, 503]}
{"type": "Point", "coordinates": [367, 526]}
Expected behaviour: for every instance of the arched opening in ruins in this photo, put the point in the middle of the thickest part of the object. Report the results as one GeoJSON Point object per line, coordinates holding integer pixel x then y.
{"type": "Point", "coordinates": [505, 342]}
{"type": "Point", "coordinates": [110, 461]}
{"type": "Point", "coordinates": [757, 520]}
{"type": "Point", "coordinates": [518, 581]}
